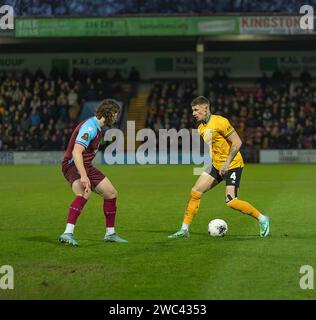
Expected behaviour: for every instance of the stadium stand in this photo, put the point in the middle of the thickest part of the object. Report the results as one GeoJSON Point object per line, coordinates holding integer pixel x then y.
{"type": "Point", "coordinates": [271, 113]}
{"type": "Point", "coordinates": [120, 7]}
{"type": "Point", "coordinates": [39, 112]}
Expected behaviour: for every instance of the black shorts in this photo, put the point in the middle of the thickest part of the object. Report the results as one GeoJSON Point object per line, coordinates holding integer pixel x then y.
{"type": "Point", "coordinates": [232, 177]}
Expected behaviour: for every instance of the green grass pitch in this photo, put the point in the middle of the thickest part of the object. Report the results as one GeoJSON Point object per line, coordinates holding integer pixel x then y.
{"type": "Point", "coordinates": [34, 205]}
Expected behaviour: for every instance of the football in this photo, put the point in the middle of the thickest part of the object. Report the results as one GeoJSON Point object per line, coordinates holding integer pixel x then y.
{"type": "Point", "coordinates": [217, 228]}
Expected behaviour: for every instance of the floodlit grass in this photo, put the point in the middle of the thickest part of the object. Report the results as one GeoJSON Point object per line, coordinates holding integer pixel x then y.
{"type": "Point", "coordinates": [34, 205]}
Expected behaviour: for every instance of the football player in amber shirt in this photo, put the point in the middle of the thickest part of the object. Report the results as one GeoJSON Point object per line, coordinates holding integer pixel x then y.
{"type": "Point", "coordinates": [227, 164]}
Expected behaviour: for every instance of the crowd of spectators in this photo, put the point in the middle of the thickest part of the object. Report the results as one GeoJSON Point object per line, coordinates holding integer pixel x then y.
{"type": "Point", "coordinates": [276, 112]}
{"type": "Point", "coordinates": [121, 7]}
{"type": "Point", "coordinates": [168, 105]}
{"type": "Point", "coordinates": [39, 112]}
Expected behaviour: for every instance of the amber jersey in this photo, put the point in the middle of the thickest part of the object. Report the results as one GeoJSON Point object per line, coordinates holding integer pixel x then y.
{"type": "Point", "coordinates": [88, 134]}
{"type": "Point", "coordinates": [215, 133]}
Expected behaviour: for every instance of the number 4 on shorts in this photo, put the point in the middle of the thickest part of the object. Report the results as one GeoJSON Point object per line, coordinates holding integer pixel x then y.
{"type": "Point", "coordinates": [233, 176]}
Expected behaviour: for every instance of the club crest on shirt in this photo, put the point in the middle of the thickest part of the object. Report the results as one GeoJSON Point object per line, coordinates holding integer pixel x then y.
{"type": "Point", "coordinates": [85, 137]}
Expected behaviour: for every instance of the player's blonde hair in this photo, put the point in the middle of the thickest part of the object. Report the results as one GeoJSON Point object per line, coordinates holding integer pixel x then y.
{"type": "Point", "coordinates": [108, 108]}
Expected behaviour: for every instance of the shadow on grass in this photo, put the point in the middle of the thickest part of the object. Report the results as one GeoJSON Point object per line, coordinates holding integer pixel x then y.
{"type": "Point", "coordinates": [149, 231]}
{"type": "Point", "coordinates": [204, 234]}
{"type": "Point", "coordinates": [247, 237]}
{"type": "Point", "coordinates": [230, 236]}
{"type": "Point", "coordinates": [83, 242]}
{"type": "Point", "coordinates": [41, 239]}
{"type": "Point", "coordinates": [235, 237]}
{"type": "Point", "coordinates": [195, 237]}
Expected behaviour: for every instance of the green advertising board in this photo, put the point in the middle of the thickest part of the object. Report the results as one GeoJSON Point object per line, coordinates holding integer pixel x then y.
{"type": "Point", "coordinates": [149, 26]}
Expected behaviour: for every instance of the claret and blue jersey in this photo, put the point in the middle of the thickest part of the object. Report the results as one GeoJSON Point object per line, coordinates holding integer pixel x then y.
{"type": "Point", "coordinates": [88, 134]}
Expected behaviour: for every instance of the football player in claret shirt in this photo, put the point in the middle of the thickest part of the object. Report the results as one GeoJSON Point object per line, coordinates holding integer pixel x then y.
{"type": "Point", "coordinates": [84, 177]}
{"type": "Point", "coordinates": [227, 164]}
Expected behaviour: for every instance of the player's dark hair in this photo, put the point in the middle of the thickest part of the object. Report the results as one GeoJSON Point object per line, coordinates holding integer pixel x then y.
{"type": "Point", "coordinates": [199, 101]}
{"type": "Point", "coordinates": [107, 109]}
